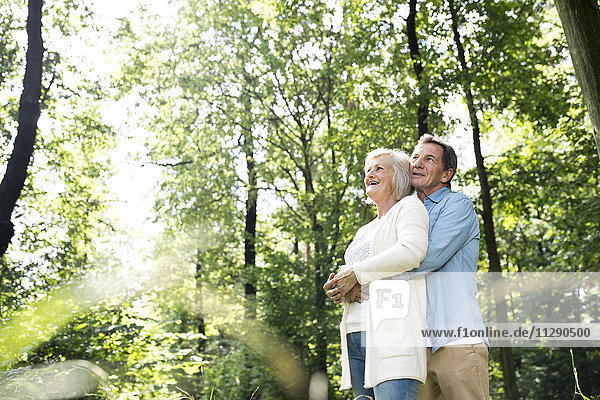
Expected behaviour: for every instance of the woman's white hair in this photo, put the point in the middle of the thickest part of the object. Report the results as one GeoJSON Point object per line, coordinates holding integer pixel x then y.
{"type": "Point", "coordinates": [401, 164]}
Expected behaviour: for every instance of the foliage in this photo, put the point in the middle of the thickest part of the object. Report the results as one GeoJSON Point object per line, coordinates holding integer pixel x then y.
{"type": "Point", "coordinates": [302, 90]}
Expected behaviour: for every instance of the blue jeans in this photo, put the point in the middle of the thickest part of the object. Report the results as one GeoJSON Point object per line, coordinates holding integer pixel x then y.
{"type": "Point", "coordinates": [396, 389]}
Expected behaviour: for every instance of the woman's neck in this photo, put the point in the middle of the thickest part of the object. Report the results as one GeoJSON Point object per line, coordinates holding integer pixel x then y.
{"type": "Point", "coordinates": [384, 206]}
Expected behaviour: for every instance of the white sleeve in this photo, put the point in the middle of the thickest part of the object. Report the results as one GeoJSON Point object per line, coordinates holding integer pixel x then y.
{"type": "Point", "coordinates": [412, 226]}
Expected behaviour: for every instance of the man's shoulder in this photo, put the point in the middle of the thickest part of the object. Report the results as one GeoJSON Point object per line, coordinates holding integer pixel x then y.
{"type": "Point", "coordinates": [458, 197]}
{"type": "Point", "coordinates": [444, 195]}
{"type": "Point", "coordinates": [455, 210]}
{"type": "Point", "coordinates": [456, 202]}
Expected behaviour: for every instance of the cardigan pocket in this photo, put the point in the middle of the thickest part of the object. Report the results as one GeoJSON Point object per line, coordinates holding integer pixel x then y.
{"type": "Point", "coordinates": [393, 338]}
{"type": "Point", "coordinates": [400, 352]}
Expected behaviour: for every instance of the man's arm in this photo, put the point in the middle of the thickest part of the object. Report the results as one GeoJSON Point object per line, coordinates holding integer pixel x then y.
{"type": "Point", "coordinates": [456, 224]}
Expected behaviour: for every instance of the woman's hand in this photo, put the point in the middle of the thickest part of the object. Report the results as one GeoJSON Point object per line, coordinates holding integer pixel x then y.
{"type": "Point", "coordinates": [344, 285]}
{"type": "Point", "coordinates": [332, 291]}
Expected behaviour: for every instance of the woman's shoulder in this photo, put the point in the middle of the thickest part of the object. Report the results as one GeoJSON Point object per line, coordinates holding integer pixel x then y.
{"type": "Point", "coordinates": [410, 208]}
{"type": "Point", "coordinates": [409, 203]}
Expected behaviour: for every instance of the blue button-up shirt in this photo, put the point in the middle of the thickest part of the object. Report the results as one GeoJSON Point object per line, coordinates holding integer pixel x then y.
{"type": "Point", "coordinates": [450, 265]}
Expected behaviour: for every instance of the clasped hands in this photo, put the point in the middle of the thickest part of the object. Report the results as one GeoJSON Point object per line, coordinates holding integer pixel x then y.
{"type": "Point", "coordinates": [344, 285]}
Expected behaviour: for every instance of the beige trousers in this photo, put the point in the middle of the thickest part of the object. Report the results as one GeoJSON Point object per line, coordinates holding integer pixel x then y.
{"type": "Point", "coordinates": [457, 373]}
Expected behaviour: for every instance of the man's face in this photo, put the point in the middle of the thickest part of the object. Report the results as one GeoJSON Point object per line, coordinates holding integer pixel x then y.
{"type": "Point", "coordinates": [427, 168]}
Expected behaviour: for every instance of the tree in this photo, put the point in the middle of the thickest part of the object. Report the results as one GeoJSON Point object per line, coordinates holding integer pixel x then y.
{"type": "Point", "coordinates": [581, 22]}
{"type": "Point", "coordinates": [415, 55]}
{"type": "Point", "coordinates": [483, 94]}
{"type": "Point", "coordinates": [29, 113]}
{"type": "Point", "coordinates": [281, 89]}
{"type": "Point", "coordinates": [59, 209]}
{"type": "Point", "coordinates": [507, 360]}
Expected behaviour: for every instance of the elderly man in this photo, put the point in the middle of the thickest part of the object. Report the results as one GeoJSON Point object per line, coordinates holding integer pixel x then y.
{"type": "Point", "coordinates": [457, 368]}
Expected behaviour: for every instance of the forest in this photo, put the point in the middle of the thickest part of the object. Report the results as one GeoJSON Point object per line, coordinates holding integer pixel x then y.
{"type": "Point", "coordinates": [179, 179]}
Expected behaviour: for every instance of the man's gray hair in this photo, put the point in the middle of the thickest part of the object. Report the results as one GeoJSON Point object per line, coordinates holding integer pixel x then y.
{"type": "Point", "coordinates": [401, 164]}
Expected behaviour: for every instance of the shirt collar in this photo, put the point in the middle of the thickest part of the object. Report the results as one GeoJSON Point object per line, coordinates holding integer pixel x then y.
{"type": "Point", "coordinates": [438, 195]}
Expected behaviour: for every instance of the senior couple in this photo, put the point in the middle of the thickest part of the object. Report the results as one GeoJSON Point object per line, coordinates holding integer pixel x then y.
{"type": "Point", "coordinates": [435, 236]}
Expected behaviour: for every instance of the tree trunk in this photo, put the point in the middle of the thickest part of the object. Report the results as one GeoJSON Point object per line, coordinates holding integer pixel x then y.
{"type": "Point", "coordinates": [247, 145]}
{"type": "Point", "coordinates": [319, 261]}
{"type": "Point", "coordinates": [29, 113]}
{"type": "Point", "coordinates": [581, 21]}
{"type": "Point", "coordinates": [199, 311]}
{"type": "Point", "coordinates": [506, 355]}
{"type": "Point", "coordinates": [415, 55]}
{"type": "Point", "coordinates": [250, 228]}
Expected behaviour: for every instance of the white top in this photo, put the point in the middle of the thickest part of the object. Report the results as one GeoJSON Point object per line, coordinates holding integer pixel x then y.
{"type": "Point", "coordinates": [395, 345]}
{"type": "Point", "coordinates": [357, 251]}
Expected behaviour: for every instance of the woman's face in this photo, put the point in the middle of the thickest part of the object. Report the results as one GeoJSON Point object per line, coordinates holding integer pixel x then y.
{"type": "Point", "coordinates": [378, 179]}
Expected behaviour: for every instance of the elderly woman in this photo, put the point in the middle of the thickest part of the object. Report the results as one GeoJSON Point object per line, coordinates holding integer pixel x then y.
{"type": "Point", "coordinates": [383, 351]}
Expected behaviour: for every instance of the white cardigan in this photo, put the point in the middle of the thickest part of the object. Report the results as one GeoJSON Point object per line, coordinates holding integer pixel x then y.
{"type": "Point", "coordinates": [396, 349]}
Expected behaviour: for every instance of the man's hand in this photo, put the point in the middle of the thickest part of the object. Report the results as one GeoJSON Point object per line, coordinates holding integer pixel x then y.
{"type": "Point", "coordinates": [358, 293]}
{"type": "Point", "coordinates": [354, 294]}
{"type": "Point", "coordinates": [345, 279]}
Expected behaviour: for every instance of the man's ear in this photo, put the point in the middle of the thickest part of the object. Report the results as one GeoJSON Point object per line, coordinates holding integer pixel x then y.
{"type": "Point", "coordinates": [447, 175]}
